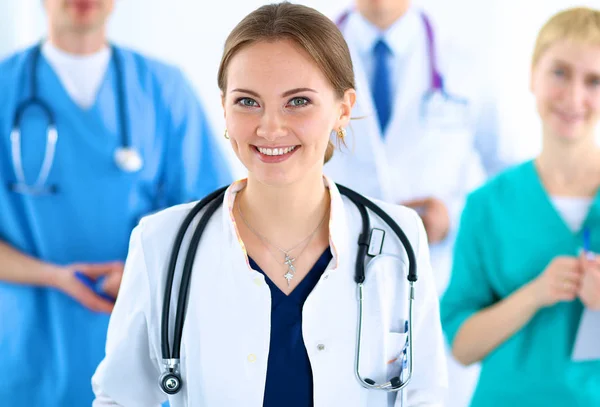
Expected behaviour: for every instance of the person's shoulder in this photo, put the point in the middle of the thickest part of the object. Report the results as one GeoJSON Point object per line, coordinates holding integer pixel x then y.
{"type": "Point", "coordinates": [156, 69]}
{"type": "Point", "coordinates": [501, 189]}
{"type": "Point", "coordinates": [406, 218]}
{"type": "Point", "coordinates": [11, 66]}
{"type": "Point", "coordinates": [162, 226]}
{"type": "Point", "coordinates": [14, 61]}
{"type": "Point", "coordinates": [465, 69]}
{"type": "Point", "coordinates": [13, 76]}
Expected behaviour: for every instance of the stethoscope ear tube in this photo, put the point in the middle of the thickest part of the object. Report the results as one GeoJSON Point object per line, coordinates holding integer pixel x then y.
{"type": "Point", "coordinates": [187, 273]}
{"type": "Point", "coordinates": [165, 349]}
{"type": "Point", "coordinates": [170, 380]}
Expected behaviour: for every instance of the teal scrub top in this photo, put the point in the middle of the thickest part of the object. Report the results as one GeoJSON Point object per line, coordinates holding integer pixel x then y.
{"type": "Point", "coordinates": [509, 233]}
{"type": "Point", "coordinates": [50, 345]}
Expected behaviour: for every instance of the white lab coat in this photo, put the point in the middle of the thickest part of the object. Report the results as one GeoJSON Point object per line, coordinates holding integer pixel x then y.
{"type": "Point", "coordinates": [226, 335]}
{"type": "Point", "coordinates": [417, 159]}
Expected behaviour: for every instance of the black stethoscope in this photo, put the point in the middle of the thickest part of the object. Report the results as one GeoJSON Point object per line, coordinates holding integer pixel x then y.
{"type": "Point", "coordinates": [170, 380]}
{"type": "Point", "coordinates": [127, 158]}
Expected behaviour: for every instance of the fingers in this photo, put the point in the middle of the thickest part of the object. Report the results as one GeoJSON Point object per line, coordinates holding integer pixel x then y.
{"type": "Point", "coordinates": [570, 275]}
{"type": "Point", "coordinates": [90, 299]}
{"type": "Point", "coordinates": [112, 284]}
{"type": "Point", "coordinates": [566, 285]}
{"type": "Point", "coordinates": [590, 262]}
{"type": "Point", "coordinates": [565, 280]}
{"type": "Point", "coordinates": [416, 203]}
{"type": "Point", "coordinates": [98, 269]}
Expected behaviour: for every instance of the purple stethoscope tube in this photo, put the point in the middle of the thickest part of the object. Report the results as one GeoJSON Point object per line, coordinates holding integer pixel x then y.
{"type": "Point", "coordinates": [436, 78]}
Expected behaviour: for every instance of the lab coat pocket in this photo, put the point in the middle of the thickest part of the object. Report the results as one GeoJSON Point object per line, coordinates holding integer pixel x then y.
{"type": "Point", "coordinates": [396, 347]}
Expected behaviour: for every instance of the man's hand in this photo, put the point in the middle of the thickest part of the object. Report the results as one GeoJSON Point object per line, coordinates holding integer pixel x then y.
{"type": "Point", "coordinates": [67, 281]}
{"type": "Point", "coordinates": [435, 216]}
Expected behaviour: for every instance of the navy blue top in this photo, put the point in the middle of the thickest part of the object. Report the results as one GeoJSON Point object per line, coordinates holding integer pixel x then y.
{"type": "Point", "coordinates": [289, 375]}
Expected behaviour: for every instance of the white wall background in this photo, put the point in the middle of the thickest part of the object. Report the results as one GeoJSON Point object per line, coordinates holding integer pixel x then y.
{"type": "Point", "coordinates": [190, 33]}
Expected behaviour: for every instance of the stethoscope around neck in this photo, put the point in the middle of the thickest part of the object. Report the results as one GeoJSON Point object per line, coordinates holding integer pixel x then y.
{"type": "Point", "coordinates": [171, 382]}
{"type": "Point", "coordinates": [127, 158]}
{"type": "Point", "coordinates": [437, 86]}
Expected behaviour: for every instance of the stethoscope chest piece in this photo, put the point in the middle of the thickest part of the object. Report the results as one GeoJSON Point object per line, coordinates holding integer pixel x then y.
{"type": "Point", "coordinates": [128, 159]}
{"type": "Point", "coordinates": [170, 383]}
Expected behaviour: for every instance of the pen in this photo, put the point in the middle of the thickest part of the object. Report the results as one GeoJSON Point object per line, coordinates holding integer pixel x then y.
{"type": "Point", "coordinates": [587, 244]}
{"type": "Point", "coordinates": [95, 286]}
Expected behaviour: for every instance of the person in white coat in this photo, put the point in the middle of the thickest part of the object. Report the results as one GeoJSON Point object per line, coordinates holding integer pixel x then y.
{"type": "Point", "coordinates": [272, 302]}
{"type": "Point", "coordinates": [426, 130]}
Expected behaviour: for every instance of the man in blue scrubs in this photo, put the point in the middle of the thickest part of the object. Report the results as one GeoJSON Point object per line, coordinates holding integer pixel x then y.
{"type": "Point", "coordinates": [102, 98]}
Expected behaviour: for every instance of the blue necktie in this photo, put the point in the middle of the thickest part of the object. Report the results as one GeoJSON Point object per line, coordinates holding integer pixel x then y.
{"type": "Point", "coordinates": [382, 92]}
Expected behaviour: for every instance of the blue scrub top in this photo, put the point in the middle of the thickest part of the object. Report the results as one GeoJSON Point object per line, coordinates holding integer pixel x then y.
{"type": "Point", "coordinates": [50, 345]}
{"type": "Point", "coordinates": [289, 375]}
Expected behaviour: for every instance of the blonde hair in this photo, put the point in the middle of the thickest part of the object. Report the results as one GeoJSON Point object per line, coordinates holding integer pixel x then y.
{"type": "Point", "coordinates": [580, 24]}
{"type": "Point", "coordinates": [309, 29]}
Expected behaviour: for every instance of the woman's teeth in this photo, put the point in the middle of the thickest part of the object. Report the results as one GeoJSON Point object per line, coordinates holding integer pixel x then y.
{"type": "Point", "coordinates": [275, 151]}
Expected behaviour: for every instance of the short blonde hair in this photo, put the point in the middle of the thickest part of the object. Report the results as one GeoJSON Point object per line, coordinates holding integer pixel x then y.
{"type": "Point", "coordinates": [580, 24]}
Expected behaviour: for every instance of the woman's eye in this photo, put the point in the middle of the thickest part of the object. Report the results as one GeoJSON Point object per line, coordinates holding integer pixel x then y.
{"type": "Point", "coordinates": [247, 102]}
{"type": "Point", "coordinates": [559, 72]}
{"type": "Point", "coordinates": [298, 101]}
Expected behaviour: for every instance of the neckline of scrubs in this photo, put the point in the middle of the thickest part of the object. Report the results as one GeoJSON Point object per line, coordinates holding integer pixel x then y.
{"type": "Point", "coordinates": [106, 80]}
{"type": "Point", "coordinates": [306, 285]}
{"type": "Point", "coordinates": [590, 218]}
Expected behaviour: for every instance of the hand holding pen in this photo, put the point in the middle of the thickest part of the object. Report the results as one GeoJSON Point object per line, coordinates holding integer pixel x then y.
{"type": "Point", "coordinates": [589, 289]}
{"type": "Point", "coordinates": [93, 285]}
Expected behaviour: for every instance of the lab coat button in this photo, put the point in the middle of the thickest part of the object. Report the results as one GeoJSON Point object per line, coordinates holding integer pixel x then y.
{"type": "Point", "coordinates": [321, 346]}
{"type": "Point", "coordinates": [252, 358]}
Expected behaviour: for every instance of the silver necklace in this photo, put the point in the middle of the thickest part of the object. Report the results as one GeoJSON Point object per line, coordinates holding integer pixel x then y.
{"type": "Point", "coordinates": [289, 260]}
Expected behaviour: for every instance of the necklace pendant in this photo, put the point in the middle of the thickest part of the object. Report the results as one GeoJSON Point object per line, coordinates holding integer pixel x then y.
{"type": "Point", "coordinates": [289, 261]}
{"type": "Point", "coordinates": [288, 276]}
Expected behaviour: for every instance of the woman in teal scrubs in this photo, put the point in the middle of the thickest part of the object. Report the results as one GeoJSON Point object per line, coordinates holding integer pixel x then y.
{"type": "Point", "coordinates": [521, 280]}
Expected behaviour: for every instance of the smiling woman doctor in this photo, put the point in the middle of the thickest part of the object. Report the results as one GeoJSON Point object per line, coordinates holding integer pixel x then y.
{"type": "Point", "coordinates": [272, 310]}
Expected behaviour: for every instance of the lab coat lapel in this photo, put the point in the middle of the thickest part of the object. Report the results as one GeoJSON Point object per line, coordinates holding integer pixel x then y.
{"type": "Point", "coordinates": [367, 139]}
{"type": "Point", "coordinates": [338, 227]}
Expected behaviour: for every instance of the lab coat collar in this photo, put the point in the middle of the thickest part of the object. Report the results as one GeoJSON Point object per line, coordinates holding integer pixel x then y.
{"type": "Point", "coordinates": [338, 227]}
{"type": "Point", "coordinates": [399, 36]}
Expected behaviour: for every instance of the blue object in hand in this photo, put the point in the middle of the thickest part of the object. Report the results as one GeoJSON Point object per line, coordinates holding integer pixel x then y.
{"type": "Point", "coordinates": [587, 249]}
{"type": "Point", "coordinates": [94, 285]}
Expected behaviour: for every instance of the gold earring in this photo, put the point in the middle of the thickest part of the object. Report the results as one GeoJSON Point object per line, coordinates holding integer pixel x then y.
{"type": "Point", "coordinates": [226, 135]}
{"type": "Point", "coordinates": [341, 133]}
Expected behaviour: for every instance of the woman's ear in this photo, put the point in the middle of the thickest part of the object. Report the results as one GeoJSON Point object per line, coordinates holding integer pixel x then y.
{"type": "Point", "coordinates": [348, 101]}
{"type": "Point", "coordinates": [223, 104]}
{"type": "Point", "coordinates": [533, 72]}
